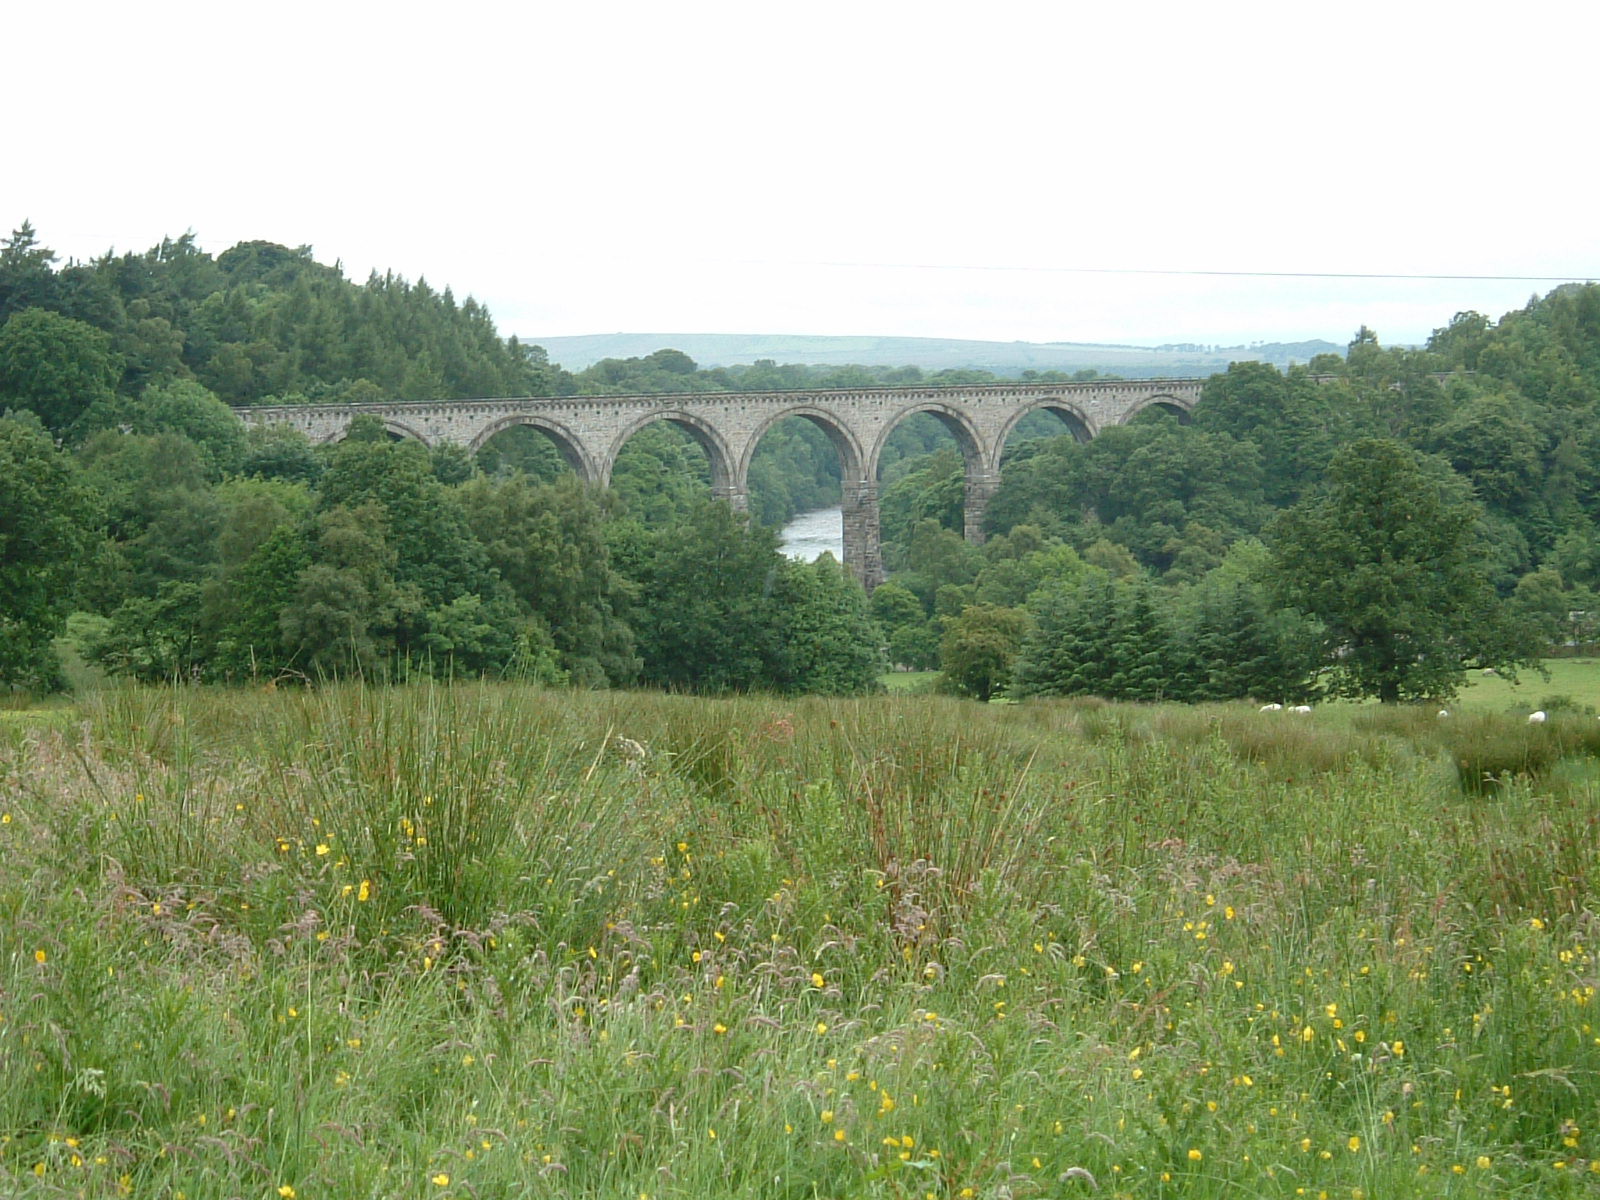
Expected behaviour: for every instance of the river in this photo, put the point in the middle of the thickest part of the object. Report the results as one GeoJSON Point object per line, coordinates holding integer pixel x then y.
{"type": "Point", "coordinates": [809, 534]}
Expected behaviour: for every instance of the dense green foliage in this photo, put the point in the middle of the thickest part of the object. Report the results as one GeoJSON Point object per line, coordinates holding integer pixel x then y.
{"type": "Point", "coordinates": [1388, 560]}
{"type": "Point", "coordinates": [383, 569]}
{"type": "Point", "coordinates": [979, 647]}
{"type": "Point", "coordinates": [489, 940]}
{"type": "Point", "coordinates": [1131, 566]}
{"type": "Point", "coordinates": [45, 548]}
{"type": "Point", "coordinates": [1502, 421]}
{"type": "Point", "coordinates": [226, 554]}
{"type": "Point", "coordinates": [59, 369]}
{"type": "Point", "coordinates": [258, 322]}
{"type": "Point", "coordinates": [766, 622]}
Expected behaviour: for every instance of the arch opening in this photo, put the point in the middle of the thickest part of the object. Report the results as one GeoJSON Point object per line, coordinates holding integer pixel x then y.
{"type": "Point", "coordinates": [927, 465]}
{"type": "Point", "coordinates": [1046, 420]}
{"type": "Point", "coordinates": [1160, 407]}
{"type": "Point", "coordinates": [663, 462]}
{"type": "Point", "coordinates": [796, 468]}
{"type": "Point", "coordinates": [366, 424]}
{"type": "Point", "coordinates": [539, 449]}
{"type": "Point", "coordinates": [921, 431]}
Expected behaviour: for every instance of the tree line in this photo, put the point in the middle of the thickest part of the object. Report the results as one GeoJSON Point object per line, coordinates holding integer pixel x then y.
{"type": "Point", "coordinates": [187, 546]}
{"type": "Point", "coordinates": [255, 556]}
{"type": "Point", "coordinates": [1372, 524]}
{"type": "Point", "coordinates": [1161, 560]}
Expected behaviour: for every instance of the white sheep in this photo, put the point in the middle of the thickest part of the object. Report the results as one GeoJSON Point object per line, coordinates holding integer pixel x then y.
{"type": "Point", "coordinates": [1301, 708]}
{"type": "Point", "coordinates": [1538, 718]}
{"type": "Point", "coordinates": [1272, 708]}
{"type": "Point", "coordinates": [1443, 713]}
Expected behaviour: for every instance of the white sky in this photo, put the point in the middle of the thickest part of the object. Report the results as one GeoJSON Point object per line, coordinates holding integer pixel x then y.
{"type": "Point", "coordinates": [837, 167]}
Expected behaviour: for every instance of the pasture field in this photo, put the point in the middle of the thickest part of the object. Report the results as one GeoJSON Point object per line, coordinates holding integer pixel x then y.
{"type": "Point", "coordinates": [490, 941]}
{"type": "Point", "coordinates": [1575, 678]}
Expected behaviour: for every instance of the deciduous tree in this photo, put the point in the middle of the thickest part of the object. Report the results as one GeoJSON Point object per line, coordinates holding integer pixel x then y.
{"type": "Point", "coordinates": [979, 647]}
{"type": "Point", "coordinates": [704, 617]}
{"type": "Point", "coordinates": [47, 532]}
{"type": "Point", "coordinates": [1387, 557]}
{"type": "Point", "coordinates": [55, 367]}
{"type": "Point", "coordinates": [828, 643]}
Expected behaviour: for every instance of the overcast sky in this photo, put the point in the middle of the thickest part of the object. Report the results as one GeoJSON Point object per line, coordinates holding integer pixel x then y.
{"type": "Point", "coordinates": [926, 169]}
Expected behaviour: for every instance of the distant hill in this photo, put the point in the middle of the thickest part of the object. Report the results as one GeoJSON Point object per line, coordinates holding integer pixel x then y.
{"type": "Point", "coordinates": [931, 354]}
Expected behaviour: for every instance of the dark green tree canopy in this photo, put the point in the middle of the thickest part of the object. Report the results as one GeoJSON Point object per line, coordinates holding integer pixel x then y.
{"type": "Point", "coordinates": [231, 552]}
{"type": "Point", "coordinates": [979, 647]}
{"type": "Point", "coordinates": [55, 367]}
{"type": "Point", "coordinates": [27, 278]}
{"type": "Point", "coordinates": [1387, 557]}
{"type": "Point", "coordinates": [827, 642]}
{"type": "Point", "coordinates": [547, 544]}
{"type": "Point", "coordinates": [48, 529]}
{"type": "Point", "coordinates": [262, 320]}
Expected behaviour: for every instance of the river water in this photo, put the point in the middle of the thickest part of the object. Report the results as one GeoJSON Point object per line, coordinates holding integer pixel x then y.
{"type": "Point", "coordinates": [809, 534]}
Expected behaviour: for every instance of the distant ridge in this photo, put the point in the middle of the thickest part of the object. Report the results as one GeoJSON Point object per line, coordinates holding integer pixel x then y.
{"type": "Point", "coordinates": [931, 354]}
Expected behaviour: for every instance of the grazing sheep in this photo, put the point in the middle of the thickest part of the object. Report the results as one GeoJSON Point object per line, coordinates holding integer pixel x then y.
{"type": "Point", "coordinates": [1272, 708]}
{"type": "Point", "coordinates": [1490, 671]}
{"type": "Point", "coordinates": [1538, 718]}
{"type": "Point", "coordinates": [1301, 708]}
{"type": "Point", "coordinates": [1443, 712]}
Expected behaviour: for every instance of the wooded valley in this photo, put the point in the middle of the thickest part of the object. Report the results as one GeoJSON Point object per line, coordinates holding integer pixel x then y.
{"type": "Point", "coordinates": [1372, 524]}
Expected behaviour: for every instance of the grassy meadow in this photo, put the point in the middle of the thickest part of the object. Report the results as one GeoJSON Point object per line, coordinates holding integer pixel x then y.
{"type": "Point", "coordinates": [1576, 679]}
{"type": "Point", "coordinates": [490, 941]}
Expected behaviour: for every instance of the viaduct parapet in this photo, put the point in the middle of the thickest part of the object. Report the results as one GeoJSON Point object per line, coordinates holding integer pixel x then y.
{"type": "Point", "coordinates": [590, 431]}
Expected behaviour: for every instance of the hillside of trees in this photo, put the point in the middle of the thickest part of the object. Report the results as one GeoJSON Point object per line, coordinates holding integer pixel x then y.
{"type": "Point", "coordinates": [1230, 556]}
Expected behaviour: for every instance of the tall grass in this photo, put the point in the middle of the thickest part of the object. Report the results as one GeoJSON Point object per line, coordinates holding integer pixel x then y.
{"type": "Point", "coordinates": [488, 940]}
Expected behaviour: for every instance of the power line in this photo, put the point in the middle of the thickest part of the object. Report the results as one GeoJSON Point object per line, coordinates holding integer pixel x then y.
{"type": "Point", "coordinates": [1232, 274]}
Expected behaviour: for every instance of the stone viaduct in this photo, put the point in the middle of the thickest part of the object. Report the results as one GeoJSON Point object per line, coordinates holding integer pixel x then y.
{"type": "Point", "coordinates": [589, 431]}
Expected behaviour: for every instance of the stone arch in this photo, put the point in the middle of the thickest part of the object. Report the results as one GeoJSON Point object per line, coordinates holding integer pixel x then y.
{"type": "Point", "coordinates": [398, 428]}
{"type": "Point", "coordinates": [1172, 404]}
{"type": "Point", "coordinates": [843, 438]}
{"type": "Point", "coordinates": [981, 480]}
{"type": "Point", "coordinates": [569, 444]}
{"type": "Point", "coordinates": [706, 435]}
{"type": "Point", "coordinates": [952, 417]}
{"type": "Point", "coordinates": [1077, 422]}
